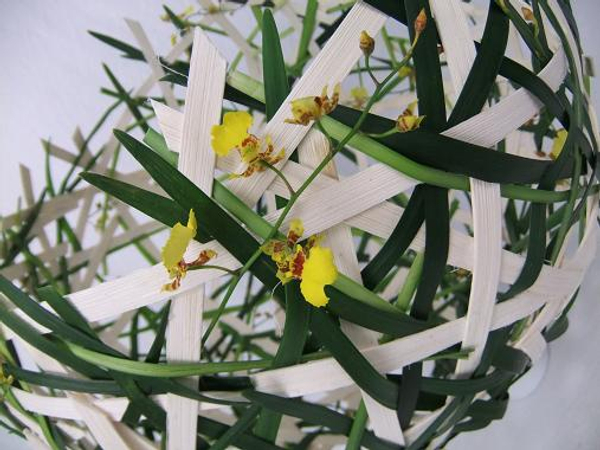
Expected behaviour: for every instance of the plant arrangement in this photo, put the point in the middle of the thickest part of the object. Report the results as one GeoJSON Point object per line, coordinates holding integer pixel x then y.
{"type": "Point", "coordinates": [361, 230]}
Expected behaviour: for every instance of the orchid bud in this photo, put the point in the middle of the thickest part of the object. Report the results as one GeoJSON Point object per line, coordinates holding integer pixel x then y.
{"type": "Point", "coordinates": [366, 43]}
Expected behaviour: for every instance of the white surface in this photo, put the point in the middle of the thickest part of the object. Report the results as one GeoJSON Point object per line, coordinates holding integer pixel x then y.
{"type": "Point", "coordinates": [50, 83]}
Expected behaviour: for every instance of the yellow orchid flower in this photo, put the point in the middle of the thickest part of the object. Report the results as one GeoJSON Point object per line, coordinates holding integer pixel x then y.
{"type": "Point", "coordinates": [359, 95]}
{"type": "Point", "coordinates": [173, 251]}
{"type": "Point", "coordinates": [179, 239]}
{"type": "Point", "coordinates": [306, 109]}
{"type": "Point", "coordinates": [559, 143]}
{"type": "Point", "coordinates": [232, 133]}
{"type": "Point", "coordinates": [256, 159]}
{"type": "Point", "coordinates": [319, 271]}
{"type": "Point", "coordinates": [407, 121]}
{"type": "Point", "coordinates": [295, 231]}
{"type": "Point", "coordinates": [311, 264]}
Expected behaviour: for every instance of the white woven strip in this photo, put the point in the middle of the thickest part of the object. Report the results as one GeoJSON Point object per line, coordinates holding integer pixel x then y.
{"type": "Point", "coordinates": [49, 212]}
{"type": "Point", "coordinates": [313, 149]}
{"type": "Point", "coordinates": [100, 426]}
{"type": "Point", "coordinates": [579, 262]}
{"type": "Point", "coordinates": [250, 55]}
{"type": "Point", "coordinates": [331, 66]}
{"type": "Point", "coordinates": [85, 208]}
{"type": "Point", "coordinates": [110, 336]}
{"type": "Point", "coordinates": [152, 60]}
{"type": "Point", "coordinates": [134, 439]}
{"type": "Point", "coordinates": [487, 227]}
{"type": "Point", "coordinates": [379, 221]}
{"type": "Point", "coordinates": [17, 270]}
{"type": "Point", "coordinates": [491, 126]}
{"type": "Point", "coordinates": [171, 122]}
{"type": "Point", "coordinates": [564, 25]}
{"type": "Point", "coordinates": [486, 204]}
{"type": "Point", "coordinates": [65, 155]}
{"type": "Point", "coordinates": [134, 226]}
{"type": "Point", "coordinates": [112, 407]}
{"type": "Point", "coordinates": [34, 441]}
{"type": "Point", "coordinates": [30, 202]}
{"type": "Point", "coordinates": [98, 254]}
{"type": "Point", "coordinates": [203, 100]}
{"type": "Point", "coordinates": [326, 375]}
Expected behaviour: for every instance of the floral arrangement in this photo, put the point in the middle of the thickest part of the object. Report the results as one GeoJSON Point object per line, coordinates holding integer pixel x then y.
{"type": "Point", "coordinates": [362, 241]}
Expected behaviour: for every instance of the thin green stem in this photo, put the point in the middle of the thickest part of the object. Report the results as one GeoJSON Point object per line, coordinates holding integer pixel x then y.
{"type": "Point", "coordinates": [212, 266]}
{"type": "Point", "coordinates": [358, 427]}
{"type": "Point", "coordinates": [410, 284]}
{"type": "Point", "coordinates": [370, 72]}
{"type": "Point", "coordinates": [280, 174]}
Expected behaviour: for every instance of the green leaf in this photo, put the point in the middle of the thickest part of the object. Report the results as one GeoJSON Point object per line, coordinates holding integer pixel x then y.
{"type": "Point", "coordinates": [45, 318]}
{"type": "Point", "coordinates": [358, 427]}
{"type": "Point", "coordinates": [104, 387]}
{"type": "Point", "coordinates": [295, 332]}
{"type": "Point", "coordinates": [19, 240]}
{"type": "Point", "coordinates": [308, 28]}
{"type": "Point", "coordinates": [175, 20]}
{"type": "Point", "coordinates": [486, 66]}
{"type": "Point", "coordinates": [315, 415]}
{"type": "Point", "coordinates": [157, 143]}
{"type": "Point", "coordinates": [405, 231]}
{"type": "Point", "coordinates": [430, 92]}
{"type": "Point", "coordinates": [243, 423]}
{"type": "Point", "coordinates": [128, 50]}
{"type": "Point", "coordinates": [393, 323]}
{"type": "Point", "coordinates": [459, 387]}
{"type": "Point", "coordinates": [274, 72]}
{"type": "Point", "coordinates": [66, 310]}
{"type": "Point", "coordinates": [130, 102]}
{"type": "Point", "coordinates": [351, 360]}
{"type": "Point", "coordinates": [45, 345]}
{"type": "Point", "coordinates": [244, 441]}
{"type": "Point", "coordinates": [162, 209]}
{"type": "Point", "coordinates": [434, 150]}
{"type": "Point", "coordinates": [161, 370]}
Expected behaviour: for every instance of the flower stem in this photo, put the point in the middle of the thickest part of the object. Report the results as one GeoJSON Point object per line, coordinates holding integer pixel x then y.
{"type": "Point", "coordinates": [384, 134]}
{"type": "Point", "coordinates": [370, 72]}
{"type": "Point", "coordinates": [212, 266]}
{"type": "Point", "coordinates": [280, 174]}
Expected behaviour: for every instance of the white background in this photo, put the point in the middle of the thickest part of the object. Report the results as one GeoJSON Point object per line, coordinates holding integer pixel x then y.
{"type": "Point", "coordinates": [49, 82]}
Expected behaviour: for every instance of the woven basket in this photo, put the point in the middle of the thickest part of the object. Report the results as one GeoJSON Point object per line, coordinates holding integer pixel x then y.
{"type": "Point", "coordinates": [462, 244]}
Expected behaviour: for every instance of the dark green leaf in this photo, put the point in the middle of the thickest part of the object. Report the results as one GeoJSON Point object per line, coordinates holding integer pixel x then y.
{"type": "Point", "coordinates": [352, 361]}
{"type": "Point", "coordinates": [274, 72]}
{"type": "Point", "coordinates": [128, 50]}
